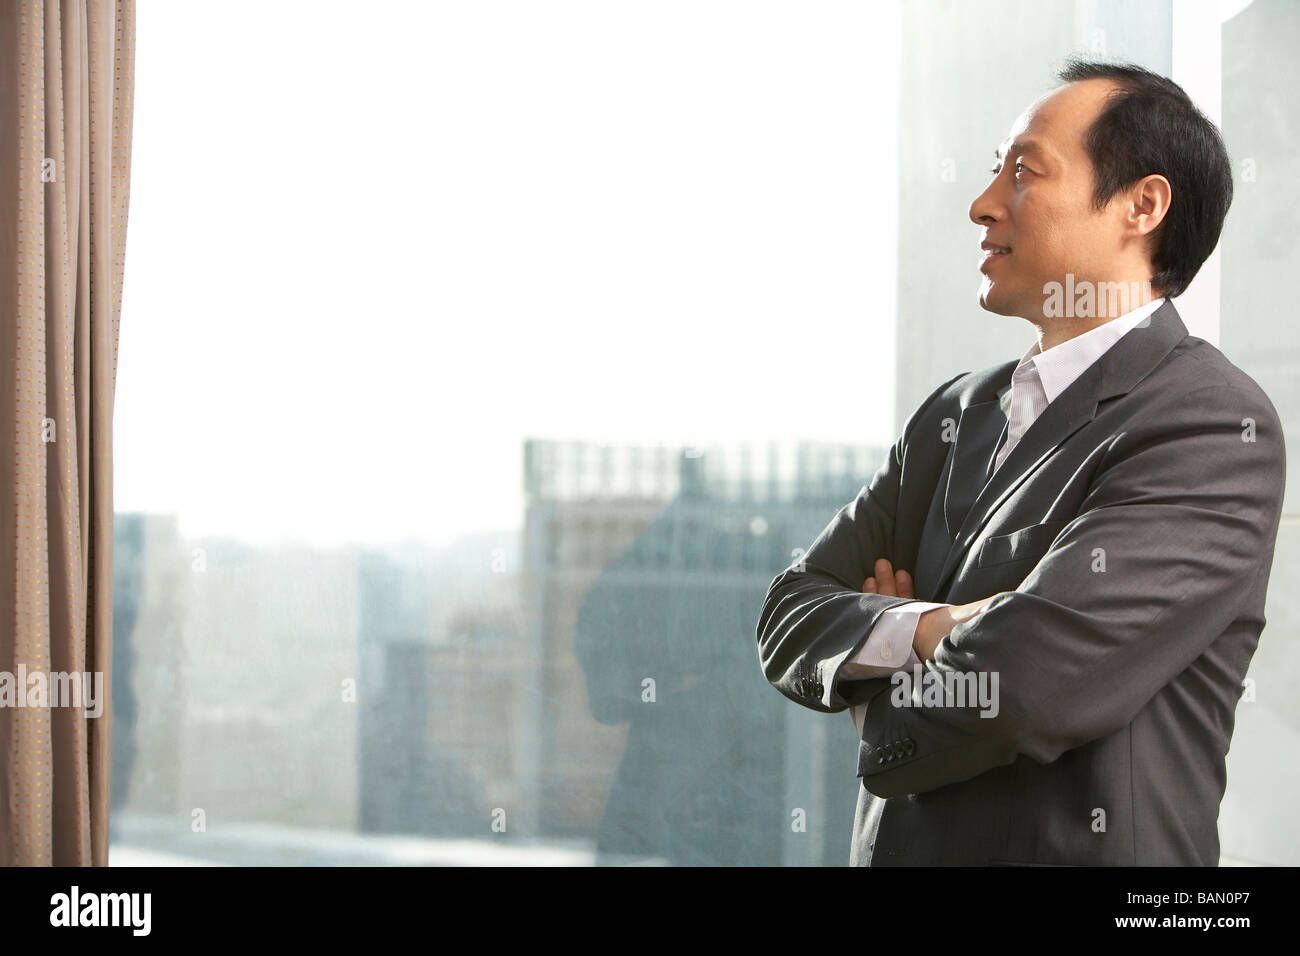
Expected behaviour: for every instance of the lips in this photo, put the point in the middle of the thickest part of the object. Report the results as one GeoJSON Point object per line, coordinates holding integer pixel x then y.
{"type": "Point", "coordinates": [992, 252]}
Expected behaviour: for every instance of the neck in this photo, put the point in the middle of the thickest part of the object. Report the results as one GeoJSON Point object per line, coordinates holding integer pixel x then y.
{"type": "Point", "coordinates": [1079, 307]}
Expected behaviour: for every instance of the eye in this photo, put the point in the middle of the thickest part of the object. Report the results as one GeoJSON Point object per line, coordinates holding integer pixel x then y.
{"type": "Point", "coordinates": [1019, 167]}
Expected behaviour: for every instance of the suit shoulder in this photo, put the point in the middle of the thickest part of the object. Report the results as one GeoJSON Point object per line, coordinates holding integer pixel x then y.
{"type": "Point", "coordinates": [1200, 366]}
{"type": "Point", "coordinates": [1197, 390]}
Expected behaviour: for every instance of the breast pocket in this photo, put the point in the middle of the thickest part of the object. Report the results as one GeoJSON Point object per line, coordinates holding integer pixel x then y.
{"type": "Point", "coordinates": [1022, 545]}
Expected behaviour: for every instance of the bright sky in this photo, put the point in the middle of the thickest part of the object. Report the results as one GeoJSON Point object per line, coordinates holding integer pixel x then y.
{"type": "Point", "coordinates": [369, 253]}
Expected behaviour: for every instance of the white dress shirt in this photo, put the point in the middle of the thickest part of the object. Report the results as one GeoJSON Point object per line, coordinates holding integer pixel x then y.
{"type": "Point", "coordinates": [1038, 379]}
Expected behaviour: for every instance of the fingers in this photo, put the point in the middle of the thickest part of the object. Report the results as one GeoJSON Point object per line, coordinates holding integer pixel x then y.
{"type": "Point", "coordinates": [903, 582]}
{"type": "Point", "coordinates": [887, 581]}
{"type": "Point", "coordinates": [885, 578]}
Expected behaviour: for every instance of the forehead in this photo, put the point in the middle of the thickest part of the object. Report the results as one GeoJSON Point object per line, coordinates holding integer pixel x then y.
{"type": "Point", "coordinates": [1058, 121]}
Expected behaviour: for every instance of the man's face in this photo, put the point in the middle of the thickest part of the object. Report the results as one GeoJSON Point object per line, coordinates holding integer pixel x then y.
{"type": "Point", "coordinates": [1039, 206]}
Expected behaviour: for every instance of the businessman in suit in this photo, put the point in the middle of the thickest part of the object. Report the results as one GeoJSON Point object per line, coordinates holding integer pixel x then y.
{"type": "Point", "coordinates": [1041, 609]}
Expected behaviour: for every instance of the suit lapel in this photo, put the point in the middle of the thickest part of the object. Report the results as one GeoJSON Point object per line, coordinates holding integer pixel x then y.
{"type": "Point", "coordinates": [981, 425]}
{"type": "Point", "coordinates": [1120, 368]}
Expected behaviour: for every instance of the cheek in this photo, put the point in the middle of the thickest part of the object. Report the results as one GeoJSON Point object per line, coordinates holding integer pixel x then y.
{"type": "Point", "coordinates": [1044, 237]}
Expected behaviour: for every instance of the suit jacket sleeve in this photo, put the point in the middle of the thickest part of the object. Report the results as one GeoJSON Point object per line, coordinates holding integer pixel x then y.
{"type": "Point", "coordinates": [816, 615]}
{"type": "Point", "coordinates": [1177, 528]}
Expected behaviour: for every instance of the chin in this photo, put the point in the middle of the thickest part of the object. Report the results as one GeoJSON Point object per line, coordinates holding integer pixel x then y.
{"type": "Point", "coordinates": [992, 301]}
{"type": "Point", "coordinates": [989, 301]}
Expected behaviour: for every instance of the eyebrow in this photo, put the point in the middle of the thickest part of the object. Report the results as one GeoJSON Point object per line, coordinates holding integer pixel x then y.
{"type": "Point", "coordinates": [1020, 146]}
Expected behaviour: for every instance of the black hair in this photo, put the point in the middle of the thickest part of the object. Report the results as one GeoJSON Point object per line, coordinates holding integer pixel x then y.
{"type": "Point", "coordinates": [1150, 125]}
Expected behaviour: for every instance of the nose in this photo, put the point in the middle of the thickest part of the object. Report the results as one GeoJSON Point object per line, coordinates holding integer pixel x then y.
{"type": "Point", "coordinates": [986, 207]}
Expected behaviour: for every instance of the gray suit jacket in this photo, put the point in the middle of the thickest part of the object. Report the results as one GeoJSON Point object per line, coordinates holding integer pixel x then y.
{"type": "Point", "coordinates": [1128, 539]}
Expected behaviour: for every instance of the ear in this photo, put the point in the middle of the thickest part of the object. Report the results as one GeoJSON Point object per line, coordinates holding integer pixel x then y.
{"type": "Point", "coordinates": [1148, 204]}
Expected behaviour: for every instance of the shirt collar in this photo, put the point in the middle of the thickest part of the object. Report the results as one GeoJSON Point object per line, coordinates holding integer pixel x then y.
{"type": "Point", "coordinates": [1059, 366]}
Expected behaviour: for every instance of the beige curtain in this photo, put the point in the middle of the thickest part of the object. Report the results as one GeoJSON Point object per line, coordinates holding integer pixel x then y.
{"type": "Point", "coordinates": [66, 87]}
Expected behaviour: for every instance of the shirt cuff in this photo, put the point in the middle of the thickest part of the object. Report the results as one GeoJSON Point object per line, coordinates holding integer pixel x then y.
{"type": "Point", "coordinates": [894, 629]}
{"type": "Point", "coordinates": [888, 647]}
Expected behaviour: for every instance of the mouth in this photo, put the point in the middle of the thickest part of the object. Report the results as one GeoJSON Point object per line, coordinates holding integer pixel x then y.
{"type": "Point", "coordinates": [992, 252]}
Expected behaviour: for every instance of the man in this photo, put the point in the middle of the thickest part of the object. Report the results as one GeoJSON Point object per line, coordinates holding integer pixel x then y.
{"type": "Point", "coordinates": [1042, 608]}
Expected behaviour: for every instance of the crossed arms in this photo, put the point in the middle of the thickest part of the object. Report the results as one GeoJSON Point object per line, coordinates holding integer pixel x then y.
{"type": "Point", "coordinates": [1175, 532]}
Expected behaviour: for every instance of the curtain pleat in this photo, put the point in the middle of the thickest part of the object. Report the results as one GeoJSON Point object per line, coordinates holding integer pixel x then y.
{"type": "Point", "coordinates": [66, 92]}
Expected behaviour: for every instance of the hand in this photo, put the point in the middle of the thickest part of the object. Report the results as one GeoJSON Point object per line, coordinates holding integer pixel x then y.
{"type": "Point", "coordinates": [932, 626]}
{"type": "Point", "coordinates": [888, 581]}
{"type": "Point", "coordinates": [895, 584]}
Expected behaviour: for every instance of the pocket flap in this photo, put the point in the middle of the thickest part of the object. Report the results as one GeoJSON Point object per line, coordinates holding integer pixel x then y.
{"type": "Point", "coordinates": [1031, 542]}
